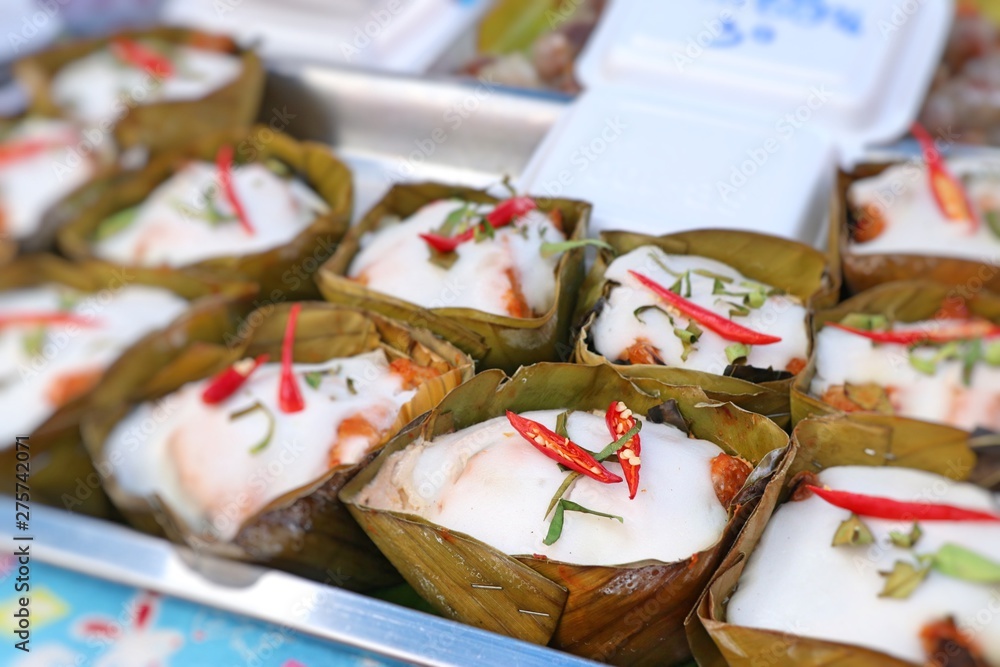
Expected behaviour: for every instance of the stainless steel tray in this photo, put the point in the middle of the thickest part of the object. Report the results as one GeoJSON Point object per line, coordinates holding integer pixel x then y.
{"type": "Point", "coordinates": [364, 625]}
{"type": "Point", "coordinates": [392, 128]}
{"type": "Point", "coordinates": [388, 128]}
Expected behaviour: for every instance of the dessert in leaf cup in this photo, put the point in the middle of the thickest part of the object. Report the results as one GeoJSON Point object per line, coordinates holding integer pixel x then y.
{"type": "Point", "coordinates": [931, 218]}
{"type": "Point", "coordinates": [723, 310]}
{"type": "Point", "coordinates": [239, 449]}
{"type": "Point", "coordinates": [152, 88]}
{"type": "Point", "coordinates": [892, 533]}
{"type": "Point", "coordinates": [229, 204]}
{"type": "Point", "coordinates": [534, 506]}
{"type": "Point", "coordinates": [496, 276]}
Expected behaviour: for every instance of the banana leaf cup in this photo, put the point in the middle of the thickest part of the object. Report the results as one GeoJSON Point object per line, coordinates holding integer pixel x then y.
{"type": "Point", "coordinates": [818, 443]}
{"type": "Point", "coordinates": [904, 301]}
{"type": "Point", "coordinates": [626, 614]}
{"type": "Point", "coordinates": [495, 341]}
{"type": "Point", "coordinates": [284, 272]}
{"type": "Point", "coordinates": [305, 531]}
{"type": "Point", "coordinates": [163, 125]}
{"type": "Point", "coordinates": [62, 161]}
{"type": "Point", "coordinates": [61, 471]}
{"type": "Point", "coordinates": [864, 271]}
{"type": "Point", "coordinates": [797, 269]}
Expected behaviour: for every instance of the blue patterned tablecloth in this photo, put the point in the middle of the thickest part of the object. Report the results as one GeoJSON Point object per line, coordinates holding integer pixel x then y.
{"type": "Point", "coordinates": [80, 621]}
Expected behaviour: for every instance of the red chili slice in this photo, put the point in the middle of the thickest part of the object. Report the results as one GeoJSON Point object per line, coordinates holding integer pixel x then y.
{"type": "Point", "coordinates": [886, 508]}
{"type": "Point", "coordinates": [225, 384]}
{"type": "Point", "coordinates": [562, 450]}
{"type": "Point", "coordinates": [706, 318]}
{"type": "Point", "coordinates": [224, 164]}
{"type": "Point", "coordinates": [448, 243]}
{"type": "Point", "coordinates": [619, 425]}
{"type": "Point", "coordinates": [948, 191]}
{"type": "Point", "coordinates": [15, 151]}
{"type": "Point", "coordinates": [966, 331]}
{"type": "Point", "coordinates": [289, 394]}
{"type": "Point", "coordinates": [45, 319]}
{"type": "Point", "coordinates": [133, 53]}
{"type": "Point", "coordinates": [502, 215]}
{"type": "Point", "coordinates": [510, 210]}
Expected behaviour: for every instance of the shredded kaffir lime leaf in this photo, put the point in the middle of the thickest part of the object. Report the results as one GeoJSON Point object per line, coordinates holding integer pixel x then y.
{"type": "Point", "coordinates": [718, 277]}
{"type": "Point", "coordinates": [903, 580]}
{"type": "Point", "coordinates": [907, 540]}
{"type": "Point", "coordinates": [619, 443]}
{"type": "Point", "coordinates": [258, 407]}
{"type": "Point", "coordinates": [853, 532]}
{"type": "Point", "coordinates": [866, 322]}
{"type": "Point", "coordinates": [115, 223]}
{"type": "Point", "coordinates": [33, 342]}
{"type": "Point", "coordinates": [553, 248]}
{"type": "Point", "coordinates": [314, 378]}
{"type": "Point", "coordinates": [960, 563]}
{"type": "Point", "coordinates": [736, 352]}
{"type": "Point", "coordinates": [563, 506]}
{"type": "Point", "coordinates": [642, 309]}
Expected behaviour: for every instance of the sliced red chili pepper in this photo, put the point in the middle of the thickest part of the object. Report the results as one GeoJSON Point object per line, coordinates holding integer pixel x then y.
{"type": "Point", "coordinates": [724, 327]}
{"type": "Point", "coordinates": [225, 384]}
{"type": "Point", "coordinates": [289, 395]}
{"type": "Point", "coordinates": [502, 215]}
{"type": "Point", "coordinates": [448, 243]}
{"type": "Point", "coordinates": [560, 449]}
{"type": "Point", "coordinates": [628, 455]}
{"type": "Point", "coordinates": [886, 508]}
{"type": "Point", "coordinates": [133, 53]}
{"type": "Point", "coordinates": [224, 164]}
{"type": "Point", "coordinates": [45, 319]}
{"type": "Point", "coordinates": [948, 191]}
{"type": "Point", "coordinates": [510, 210]}
{"type": "Point", "coordinates": [15, 151]}
{"type": "Point", "coordinates": [966, 331]}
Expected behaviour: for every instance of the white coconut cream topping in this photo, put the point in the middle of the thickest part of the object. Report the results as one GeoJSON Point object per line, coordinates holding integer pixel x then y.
{"type": "Point", "coordinates": [101, 87]}
{"type": "Point", "coordinates": [796, 583]}
{"type": "Point", "coordinates": [188, 218]}
{"type": "Point", "coordinates": [490, 275]}
{"type": "Point", "coordinates": [621, 323]}
{"type": "Point", "coordinates": [35, 172]}
{"type": "Point", "coordinates": [217, 465]}
{"type": "Point", "coordinates": [914, 222]}
{"type": "Point", "coordinates": [488, 482]}
{"type": "Point", "coordinates": [937, 391]}
{"type": "Point", "coordinates": [47, 365]}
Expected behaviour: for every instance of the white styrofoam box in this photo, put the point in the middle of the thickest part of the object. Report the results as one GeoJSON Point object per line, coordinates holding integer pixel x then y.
{"type": "Point", "coordinates": [27, 27]}
{"type": "Point", "coordinates": [675, 165]}
{"type": "Point", "coordinates": [394, 35]}
{"type": "Point", "coordinates": [736, 112]}
{"type": "Point", "coordinates": [873, 59]}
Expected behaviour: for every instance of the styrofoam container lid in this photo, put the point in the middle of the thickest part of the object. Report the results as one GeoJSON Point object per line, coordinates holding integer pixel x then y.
{"type": "Point", "coordinates": [667, 167]}
{"type": "Point", "coordinates": [734, 113]}
{"type": "Point", "coordinates": [395, 35]}
{"type": "Point", "coordinates": [871, 59]}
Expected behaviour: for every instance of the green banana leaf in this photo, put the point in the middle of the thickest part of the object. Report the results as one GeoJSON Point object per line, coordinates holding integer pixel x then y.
{"type": "Point", "coordinates": [61, 472]}
{"type": "Point", "coordinates": [159, 126]}
{"type": "Point", "coordinates": [283, 273]}
{"type": "Point", "coordinates": [862, 272]}
{"type": "Point", "coordinates": [307, 531]}
{"type": "Point", "coordinates": [793, 267]}
{"type": "Point", "coordinates": [572, 607]}
{"type": "Point", "coordinates": [514, 25]}
{"type": "Point", "coordinates": [495, 341]}
{"type": "Point", "coordinates": [43, 239]}
{"type": "Point", "coordinates": [817, 443]}
{"type": "Point", "coordinates": [904, 301]}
